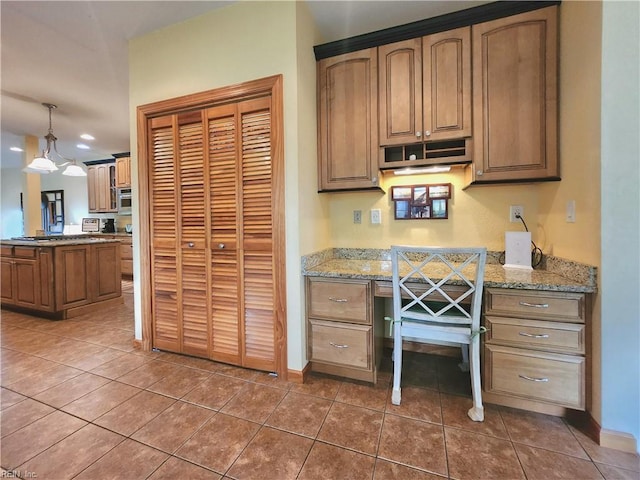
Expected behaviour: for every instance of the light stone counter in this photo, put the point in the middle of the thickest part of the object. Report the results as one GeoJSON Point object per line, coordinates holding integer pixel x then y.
{"type": "Point", "coordinates": [373, 264]}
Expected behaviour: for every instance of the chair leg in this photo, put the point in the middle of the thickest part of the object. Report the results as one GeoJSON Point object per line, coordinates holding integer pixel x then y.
{"type": "Point", "coordinates": [464, 365]}
{"type": "Point", "coordinates": [476, 413]}
{"type": "Point", "coordinates": [397, 362]}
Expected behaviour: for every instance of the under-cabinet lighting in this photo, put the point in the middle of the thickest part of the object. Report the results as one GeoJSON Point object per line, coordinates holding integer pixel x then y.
{"type": "Point", "coordinates": [86, 136]}
{"type": "Point", "coordinates": [16, 149]}
{"type": "Point", "coordinates": [83, 146]}
{"type": "Point", "coordinates": [415, 171]}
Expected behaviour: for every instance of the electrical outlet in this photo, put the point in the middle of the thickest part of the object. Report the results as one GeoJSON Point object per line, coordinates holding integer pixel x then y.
{"type": "Point", "coordinates": [357, 216]}
{"type": "Point", "coordinates": [516, 211]}
{"type": "Point", "coordinates": [376, 216]}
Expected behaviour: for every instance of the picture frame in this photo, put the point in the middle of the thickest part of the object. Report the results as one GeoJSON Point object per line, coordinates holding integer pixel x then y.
{"type": "Point", "coordinates": [439, 208]}
{"type": "Point", "coordinates": [440, 190]}
{"type": "Point", "coordinates": [401, 193]}
{"type": "Point", "coordinates": [420, 195]}
{"type": "Point", "coordinates": [402, 210]}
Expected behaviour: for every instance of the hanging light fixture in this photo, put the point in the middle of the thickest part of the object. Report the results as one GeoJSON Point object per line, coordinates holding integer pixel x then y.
{"type": "Point", "coordinates": [44, 165]}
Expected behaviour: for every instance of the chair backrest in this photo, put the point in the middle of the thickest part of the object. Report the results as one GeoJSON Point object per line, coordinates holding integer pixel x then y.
{"type": "Point", "coordinates": [437, 284]}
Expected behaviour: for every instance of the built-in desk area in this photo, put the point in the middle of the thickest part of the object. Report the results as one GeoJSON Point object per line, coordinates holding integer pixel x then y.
{"type": "Point", "coordinates": [536, 352]}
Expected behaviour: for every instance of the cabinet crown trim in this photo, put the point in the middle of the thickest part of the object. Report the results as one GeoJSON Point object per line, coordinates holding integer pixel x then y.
{"type": "Point", "coordinates": [428, 26]}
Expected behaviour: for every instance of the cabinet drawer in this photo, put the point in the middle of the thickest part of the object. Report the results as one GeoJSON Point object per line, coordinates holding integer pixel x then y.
{"type": "Point", "coordinates": [342, 300]}
{"type": "Point", "coordinates": [551, 336]}
{"type": "Point", "coordinates": [24, 252]}
{"type": "Point", "coordinates": [341, 344]}
{"type": "Point", "coordinates": [126, 267]}
{"type": "Point", "coordinates": [568, 307]}
{"type": "Point", "coordinates": [126, 251]}
{"type": "Point", "coordinates": [6, 251]}
{"type": "Point", "coordinates": [534, 375]}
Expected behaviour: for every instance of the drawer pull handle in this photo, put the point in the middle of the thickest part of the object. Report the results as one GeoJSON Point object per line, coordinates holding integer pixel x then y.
{"type": "Point", "coordinates": [534, 379]}
{"type": "Point", "coordinates": [541, 335]}
{"type": "Point", "coordinates": [338, 345]}
{"type": "Point", "coordinates": [338, 300]}
{"type": "Point", "coordinates": [534, 305]}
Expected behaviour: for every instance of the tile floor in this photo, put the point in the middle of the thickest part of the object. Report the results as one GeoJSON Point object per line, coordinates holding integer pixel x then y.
{"type": "Point", "coordinates": [79, 402]}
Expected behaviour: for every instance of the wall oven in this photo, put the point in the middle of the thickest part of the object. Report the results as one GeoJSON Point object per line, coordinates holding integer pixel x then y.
{"type": "Point", "coordinates": [124, 201]}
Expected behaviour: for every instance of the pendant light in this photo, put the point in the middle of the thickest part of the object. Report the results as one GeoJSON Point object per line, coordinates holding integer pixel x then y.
{"type": "Point", "coordinates": [44, 165]}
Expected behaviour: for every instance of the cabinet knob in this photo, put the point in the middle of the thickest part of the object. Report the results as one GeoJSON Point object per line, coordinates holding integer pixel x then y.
{"type": "Point", "coordinates": [418, 134]}
{"type": "Point", "coordinates": [427, 133]}
{"type": "Point", "coordinates": [191, 244]}
{"type": "Point", "coordinates": [479, 172]}
{"type": "Point", "coordinates": [221, 245]}
{"type": "Point", "coordinates": [374, 180]}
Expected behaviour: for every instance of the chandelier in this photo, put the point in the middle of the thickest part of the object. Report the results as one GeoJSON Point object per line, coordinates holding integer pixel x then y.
{"type": "Point", "coordinates": [44, 165]}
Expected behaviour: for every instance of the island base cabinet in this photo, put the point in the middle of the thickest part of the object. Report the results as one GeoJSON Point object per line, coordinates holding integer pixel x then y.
{"type": "Point", "coordinates": [60, 281]}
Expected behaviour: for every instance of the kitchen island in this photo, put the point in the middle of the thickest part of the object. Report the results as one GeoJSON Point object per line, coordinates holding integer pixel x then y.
{"type": "Point", "coordinates": [60, 276]}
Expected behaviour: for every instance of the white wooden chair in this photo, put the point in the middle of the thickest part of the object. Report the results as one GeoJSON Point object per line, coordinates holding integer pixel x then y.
{"type": "Point", "coordinates": [437, 296]}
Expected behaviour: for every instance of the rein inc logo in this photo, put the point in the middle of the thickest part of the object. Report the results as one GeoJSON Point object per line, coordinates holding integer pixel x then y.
{"type": "Point", "coordinates": [17, 474]}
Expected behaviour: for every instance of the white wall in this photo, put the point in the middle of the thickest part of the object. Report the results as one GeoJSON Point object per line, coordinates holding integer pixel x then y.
{"type": "Point", "coordinates": [620, 230]}
{"type": "Point", "coordinates": [11, 215]}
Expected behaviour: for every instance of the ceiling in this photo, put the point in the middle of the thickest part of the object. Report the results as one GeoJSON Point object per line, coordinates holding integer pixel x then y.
{"type": "Point", "coordinates": [74, 54]}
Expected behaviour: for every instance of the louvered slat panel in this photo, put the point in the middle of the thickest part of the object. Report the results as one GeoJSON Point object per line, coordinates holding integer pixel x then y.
{"type": "Point", "coordinates": [258, 307]}
{"type": "Point", "coordinates": [194, 302]}
{"type": "Point", "coordinates": [256, 180]}
{"type": "Point", "coordinates": [223, 162]}
{"type": "Point", "coordinates": [192, 185]}
{"type": "Point", "coordinates": [224, 300]}
{"type": "Point", "coordinates": [164, 304]}
{"type": "Point", "coordinates": [163, 192]}
{"type": "Point", "coordinates": [258, 271]}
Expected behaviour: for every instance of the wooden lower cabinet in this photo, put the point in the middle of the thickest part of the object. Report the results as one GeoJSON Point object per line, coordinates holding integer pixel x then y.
{"type": "Point", "coordinates": [343, 337]}
{"type": "Point", "coordinates": [126, 257]}
{"type": "Point", "coordinates": [536, 353]}
{"type": "Point", "coordinates": [54, 280]}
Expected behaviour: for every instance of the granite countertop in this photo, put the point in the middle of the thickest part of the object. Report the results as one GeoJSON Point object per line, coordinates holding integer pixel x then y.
{"type": "Point", "coordinates": [372, 264]}
{"type": "Point", "coordinates": [56, 241]}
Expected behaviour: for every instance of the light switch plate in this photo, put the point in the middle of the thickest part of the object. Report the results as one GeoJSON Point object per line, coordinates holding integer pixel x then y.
{"type": "Point", "coordinates": [376, 216]}
{"type": "Point", "coordinates": [517, 250]}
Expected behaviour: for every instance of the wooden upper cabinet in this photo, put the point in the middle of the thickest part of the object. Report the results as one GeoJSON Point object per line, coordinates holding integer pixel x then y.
{"type": "Point", "coordinates": [101, 185]}
{"type": "Point", "coordinates": [425, 88]}
{"type": "Point", "coordinates": [123, 172]}
{"type": "Point", "coordinates": [347, 124]}
{"type": "Point", "coordinates": [515, 98]}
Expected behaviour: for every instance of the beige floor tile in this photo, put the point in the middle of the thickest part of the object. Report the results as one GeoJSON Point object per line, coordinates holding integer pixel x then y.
{"type": "Point", "coordinates": [134, 413]}
{"type": "Point", "coordinates": [73, 454]}
{"type": "Point", "coordinates": [414, 443]}
{"type": "Point", "coordinates": [539, 464]}
{"type": "Point", "coordinates": [454, 414]}
{"type": "Point", "coordinates": [471, 455]}
{"type": "Point", "coordinates": [120, 366]}
{"type": "Point", "coordinates": [36, 437]}
{"type": "Point", "coordinates": [70, 390]}
{"type": "Point", "coordinates": [179, 383]}
{"type": "Point", "coordinates": [327, 461]}
{"type": "Point", "coordinates": [608, 456]}
{"type": "Point", "coordinates": [363, 394]}
{"type": "Point", "coordinates": [22, 414]}
{"type": "Point", "coordinates": [385, 470]}
{"type": "Point", "coordinates": [130, 460]}
{"type": "Point", "coordinates": [300, 414]}
{"type": "Point", "coordinates": [418, 403]}
{"type": "Point", "coordinates": [352, 427]}
{"type": "Point", "coordinates": [272, 454]}
{"type": "Point", "coordinates": [175, 468]}
{"type": "Point", "coordinates": [215, 391]}
{"type": "Point", "coordinates": [319, 386]}
{"type": "Point", "coordinates": [149, 373]}
{"type": "Point", "coordinates": [538, 430]}
{"type": "Point", "coordinates": [219, 442]}
{"type": "Point", "coordinates": [9, 398]}
{"type": "Point", "coordinates": [254, 402]}
{"type": "Point", "coordinates": [169, 430]}
{"type": "Point", "coordinates": [101, 400]}
{"type": "Point", "coordinates": [610, 472]}
{"type": "Point", "coordinates": [44, 379]}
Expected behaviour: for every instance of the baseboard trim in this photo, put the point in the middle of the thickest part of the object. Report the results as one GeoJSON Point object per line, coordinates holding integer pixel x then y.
{"type": "Point", "coordinates": [618, 440]}
{"type": "Point", "coordinates": [584, 422]}
{"type": "Point", "coordinates": [137, 344]}
{"type": "Point", "coordinates": [297, 376]}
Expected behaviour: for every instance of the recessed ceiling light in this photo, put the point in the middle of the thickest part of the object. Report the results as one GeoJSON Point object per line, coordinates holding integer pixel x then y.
{"type": "Point", "coordinates": [82, 146]}
{"type": "Point", "coordinates": [16, 149]}
{"type": "Point", "coordinates": [86, 136]}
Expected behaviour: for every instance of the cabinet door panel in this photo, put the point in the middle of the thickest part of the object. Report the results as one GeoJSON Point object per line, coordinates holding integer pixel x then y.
{"type": "Point", "coordinates": [515, 99]}
{"type": "Point", "coordinates": [348, 112]}
{"type": "Point", "coordinates": [72, 270]}
{"type": "Point", "coordinates": [400, 75]}
{"type": "Point", "coordinates": [26, 282]}
{"type": "Point", "coordinates": [7, 281]}
{"type": "Point", "coordinates": [447, 84]}
{"type": "Point", "coordinates": [106, 268]}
